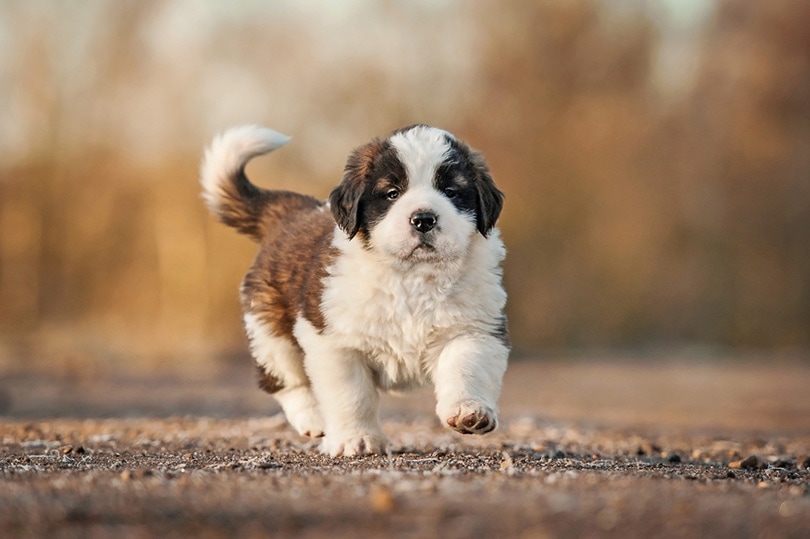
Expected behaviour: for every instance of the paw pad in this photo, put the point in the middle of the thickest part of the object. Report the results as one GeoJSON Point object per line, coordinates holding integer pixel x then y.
{"type": "Point", "coordinates": [472, 418]}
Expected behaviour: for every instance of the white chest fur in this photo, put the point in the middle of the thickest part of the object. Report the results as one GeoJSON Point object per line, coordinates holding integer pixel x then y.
{"type": "Point", "coordinates": [401, 318]}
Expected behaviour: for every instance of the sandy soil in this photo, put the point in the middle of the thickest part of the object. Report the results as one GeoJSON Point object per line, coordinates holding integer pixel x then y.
{"type": "Point", "coordinates": [666, 448]}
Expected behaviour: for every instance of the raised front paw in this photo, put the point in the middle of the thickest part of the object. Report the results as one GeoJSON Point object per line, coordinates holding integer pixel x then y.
{"type": "Point", "coordinates": [355, 445]}
{"type": "Point", "coordinates": [471, 417]}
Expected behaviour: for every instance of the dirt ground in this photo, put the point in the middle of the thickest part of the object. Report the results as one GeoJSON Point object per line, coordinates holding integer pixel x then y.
{"type": "Point", "coordinates": [611, 448]}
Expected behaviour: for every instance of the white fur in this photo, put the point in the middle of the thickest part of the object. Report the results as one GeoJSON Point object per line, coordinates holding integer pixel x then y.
{"type": "Point", "coordinates": [395, 237]}
{"type": "Point", "coordinates": [344, 383]}
{"type": "Point", "coordinates": [284, 361]}
{"type": "Point", "coordinates": [469, 373]}
{"type": "Point", "coordinates": [396, 329]}
{"type": "Point", "coordinates": [421, 150]}
{"type": "Point", "coordinates": [228, 154]}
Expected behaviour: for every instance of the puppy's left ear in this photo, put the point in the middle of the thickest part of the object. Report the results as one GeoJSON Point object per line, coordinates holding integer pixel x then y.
{"type": "Point", "coordinates": [489, 200]}
{"type": "Point", "coordinates": [345, 200]}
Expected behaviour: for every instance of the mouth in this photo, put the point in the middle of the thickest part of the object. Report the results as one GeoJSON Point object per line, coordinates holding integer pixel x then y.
{"type": "Point", "coordinates": [424, 250]}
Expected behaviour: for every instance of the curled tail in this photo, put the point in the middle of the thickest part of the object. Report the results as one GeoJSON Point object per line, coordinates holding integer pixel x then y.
{"type": "Point", "coordinates": [226, 190]}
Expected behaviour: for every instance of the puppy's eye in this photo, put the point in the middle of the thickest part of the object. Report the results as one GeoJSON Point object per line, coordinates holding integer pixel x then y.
{"type": "Point", "coordinates": [450, 192]}
{"type": "Point", "coordinates": [392, 194]}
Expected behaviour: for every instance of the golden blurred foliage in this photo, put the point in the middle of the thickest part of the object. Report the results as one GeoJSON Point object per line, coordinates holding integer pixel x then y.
{"type": "Point", "coordinates": [655, 157]}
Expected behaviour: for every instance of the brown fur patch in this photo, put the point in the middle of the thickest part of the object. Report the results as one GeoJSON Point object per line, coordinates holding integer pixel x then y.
{"type": "Point", "coordinates": [345, 198]}
{"type": "Point", "coordinates": [360, 200]}
{"type": "Point", "coordinates": [268, 382]}
{"type": "Point", "coordinates": [246, 207]}
{"type": "Point", "coordinates": [286, 279]}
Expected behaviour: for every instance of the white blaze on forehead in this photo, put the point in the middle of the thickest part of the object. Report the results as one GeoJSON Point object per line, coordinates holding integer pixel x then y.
{"type": "Point", "coordinates": [421, 149]}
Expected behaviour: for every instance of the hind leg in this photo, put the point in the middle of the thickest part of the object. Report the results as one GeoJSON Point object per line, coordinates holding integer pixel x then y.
{"type": "Point", "coordinates": [281, 373]}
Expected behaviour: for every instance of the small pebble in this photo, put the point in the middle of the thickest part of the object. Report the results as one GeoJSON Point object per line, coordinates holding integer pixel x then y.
{"type": "Point", "coordinates": [507, 464]}
{"type": "Point", "coordinates": [783, 462]}
{"type": "Point", "coordinates": [750, 463]}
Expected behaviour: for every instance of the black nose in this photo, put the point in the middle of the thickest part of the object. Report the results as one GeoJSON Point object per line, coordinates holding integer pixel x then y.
{"type": "Point", "coordinates": [423, 221]}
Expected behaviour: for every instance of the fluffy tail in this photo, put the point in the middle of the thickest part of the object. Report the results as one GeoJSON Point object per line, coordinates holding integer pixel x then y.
{"type": "Point", "coordinates": [226, 190]}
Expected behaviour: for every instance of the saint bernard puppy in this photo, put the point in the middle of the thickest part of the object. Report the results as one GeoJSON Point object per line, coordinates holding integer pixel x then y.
{"type": "Point", "coordinates": [394, 282]}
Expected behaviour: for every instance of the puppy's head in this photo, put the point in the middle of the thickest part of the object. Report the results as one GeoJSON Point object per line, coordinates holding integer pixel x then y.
{"type": "Point", "coordinates": [418, 195]}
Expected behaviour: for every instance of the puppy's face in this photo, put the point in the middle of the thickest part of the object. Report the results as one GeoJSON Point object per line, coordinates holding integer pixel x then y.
{"type": "Point", "coordinates": [419, 195]}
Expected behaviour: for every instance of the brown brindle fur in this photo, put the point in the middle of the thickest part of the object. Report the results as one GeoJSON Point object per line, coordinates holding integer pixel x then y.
{"type": "Point", "coordinates": [251, 209]}
{"type": "Point", "coordinates": [268, 382]}
{"type": "Point", "coordinates": [286, 276]}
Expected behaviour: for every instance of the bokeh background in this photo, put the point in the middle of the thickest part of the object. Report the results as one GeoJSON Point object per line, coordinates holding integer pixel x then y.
{"type": "Point", "coordinates": [655, 156]}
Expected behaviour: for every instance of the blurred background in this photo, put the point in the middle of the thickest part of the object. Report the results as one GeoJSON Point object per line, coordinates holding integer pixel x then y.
{"type": "Point", "coordinates": [655, 156]}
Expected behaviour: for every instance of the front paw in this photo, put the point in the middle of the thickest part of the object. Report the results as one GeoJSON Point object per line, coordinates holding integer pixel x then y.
{"type": "Point", "coordinates": [355, 445]}
{"type": "Point", "coordinates": [302, 411]}
{"type": "Point", "coordinates": [470, 417]}
{"type": "Point", "coordinates": [307, 422]}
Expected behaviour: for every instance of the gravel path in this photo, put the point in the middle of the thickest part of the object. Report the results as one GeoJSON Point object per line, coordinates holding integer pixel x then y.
{"type": "Point", "coordinates": [582, 469]}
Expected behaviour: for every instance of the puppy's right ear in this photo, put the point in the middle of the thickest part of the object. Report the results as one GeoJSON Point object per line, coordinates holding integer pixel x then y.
{"type": "Point", "coordinates": [345, 204]}
{"type": "Point", "coordinates": [346, 199]}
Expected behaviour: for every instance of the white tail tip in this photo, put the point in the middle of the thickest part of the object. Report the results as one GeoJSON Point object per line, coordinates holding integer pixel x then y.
{"type": "Point", "coordinates": [229, 153]}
